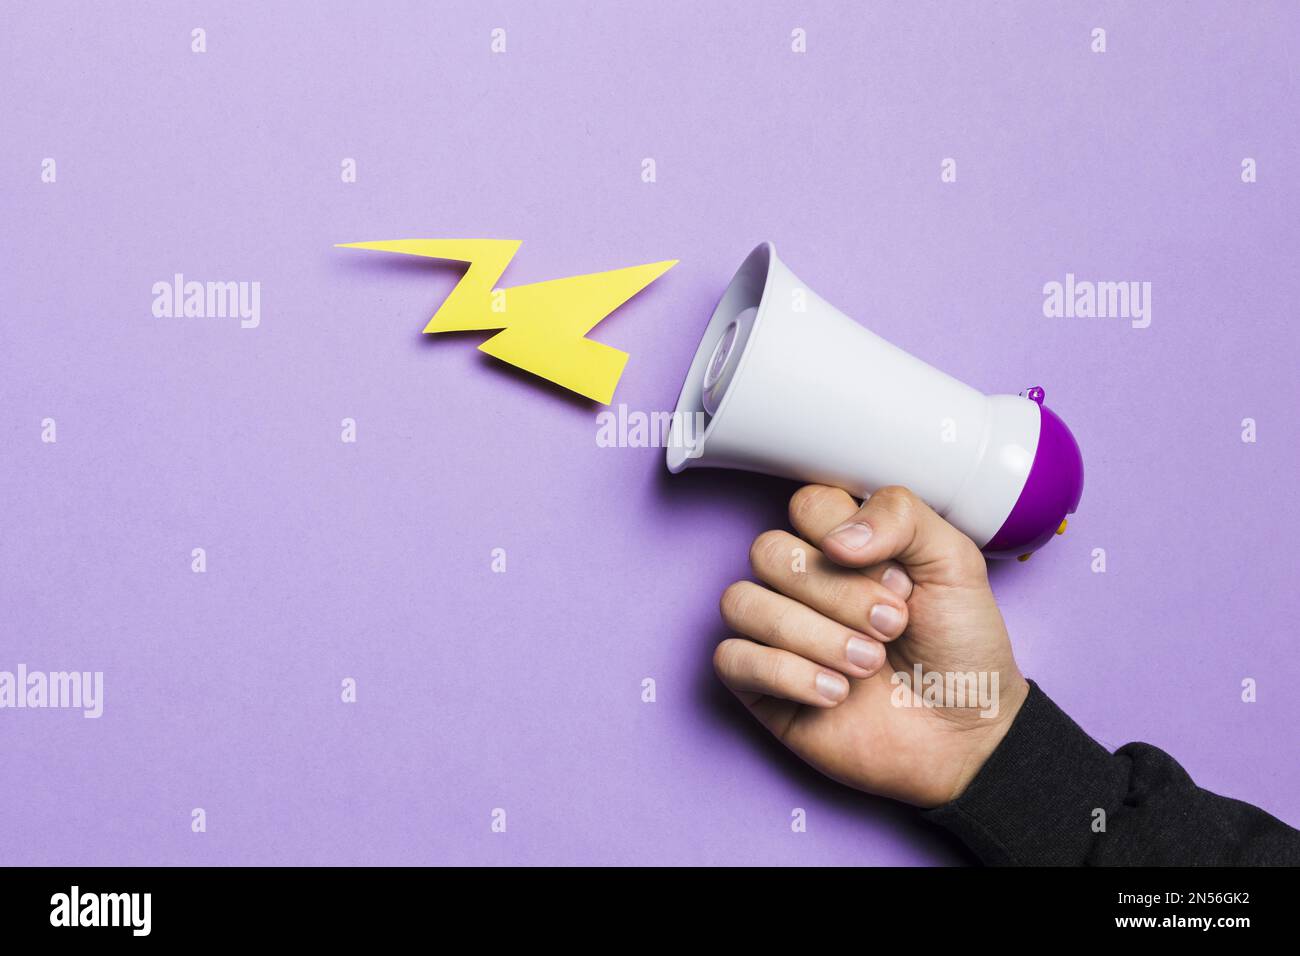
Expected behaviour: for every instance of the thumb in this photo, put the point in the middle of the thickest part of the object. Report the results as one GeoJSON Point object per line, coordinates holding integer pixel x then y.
{"type": "Point", "coordinates": [894, 523]}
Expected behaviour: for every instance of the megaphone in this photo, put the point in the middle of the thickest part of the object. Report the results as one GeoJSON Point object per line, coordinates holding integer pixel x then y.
{"type": "Point", "coordinates": [786, 384]}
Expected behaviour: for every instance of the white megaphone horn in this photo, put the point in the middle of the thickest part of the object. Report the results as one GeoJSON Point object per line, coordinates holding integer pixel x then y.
{"type": "Point", "coordinates": [788, 385]}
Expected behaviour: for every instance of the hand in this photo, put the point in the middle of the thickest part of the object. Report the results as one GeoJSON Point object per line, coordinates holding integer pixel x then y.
{"type": "Point", "coordinates": [878, 591]}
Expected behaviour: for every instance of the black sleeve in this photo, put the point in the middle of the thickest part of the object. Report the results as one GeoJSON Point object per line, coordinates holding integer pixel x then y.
{"type": "Point", "coordinates": [1036, 801]}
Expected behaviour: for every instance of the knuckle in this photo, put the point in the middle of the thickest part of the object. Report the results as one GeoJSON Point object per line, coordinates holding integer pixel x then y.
{"type": "Point", "coordinates": [726, 657]}
{"type": "Point", "coordinates": [770, 669]}
{"type": "Point", "coordinates": [766, 549]}
{"type": "Point", "coordinates": [777, 627]}
{"type": "Point", "coordinates": [896, 498]}
{"type": "Point", "coordinates": [735, 600]}
{"type": "Point", "coordinates": [806, 500]}
{"type": "Point", "coordinates": [844, 590]}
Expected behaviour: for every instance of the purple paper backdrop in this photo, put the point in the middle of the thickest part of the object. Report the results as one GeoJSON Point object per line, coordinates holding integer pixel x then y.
{"type": "Point", "coordinates": [371, 560]}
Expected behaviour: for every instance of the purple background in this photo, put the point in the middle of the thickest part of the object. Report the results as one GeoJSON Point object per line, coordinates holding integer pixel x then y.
{"type": "Point", "coordinates": [371, 560]}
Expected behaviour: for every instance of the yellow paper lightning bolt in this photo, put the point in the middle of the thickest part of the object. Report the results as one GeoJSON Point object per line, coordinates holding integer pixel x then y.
{"type": "Point", "coordinates": [543, 325]}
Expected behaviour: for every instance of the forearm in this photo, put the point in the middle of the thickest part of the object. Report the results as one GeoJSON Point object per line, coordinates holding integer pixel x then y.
{"type": "Point", "coordinates": [1051, 795]}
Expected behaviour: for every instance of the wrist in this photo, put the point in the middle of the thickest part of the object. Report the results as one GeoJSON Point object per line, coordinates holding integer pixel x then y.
{"type": "Point", "coordinates": [988, 732]}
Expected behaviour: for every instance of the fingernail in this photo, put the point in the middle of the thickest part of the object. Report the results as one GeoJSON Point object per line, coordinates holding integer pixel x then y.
{"type": "Point", "coordinates": [886, 619]}
{"type": "Point", "coordinates": [864, 654]}
{"type": "Point", "coordinates": [832, 686]}
{"type": "Point", "coordinates": [853, 535]}
{"type": "Point", "coordinates": [897, 581]}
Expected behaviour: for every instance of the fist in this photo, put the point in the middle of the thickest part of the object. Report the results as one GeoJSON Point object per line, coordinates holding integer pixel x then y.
{"type": "Point", "coordinates": [873, 647]}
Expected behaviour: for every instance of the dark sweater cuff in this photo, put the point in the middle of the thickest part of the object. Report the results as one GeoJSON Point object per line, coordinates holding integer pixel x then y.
{"type": "Point", "coordinates": [1034, 799]}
